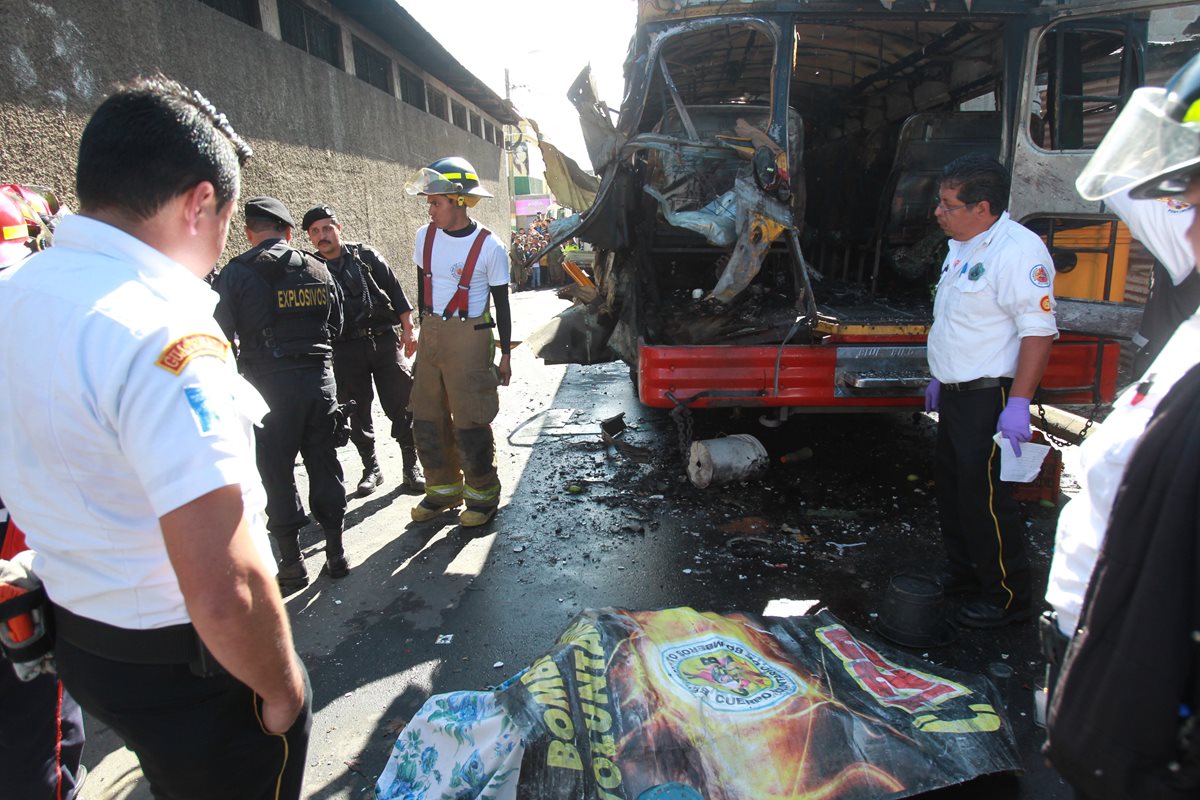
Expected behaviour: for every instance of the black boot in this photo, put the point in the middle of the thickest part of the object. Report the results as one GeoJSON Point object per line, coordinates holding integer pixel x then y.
{"type": "Point", "coordinates": [336, 565]}
{"type": "Point", "coordinates": [292, 576]}
{"type": "Point", "coordinates": [414, 481]}
{"type": "Point", "coordinates": [372, 476]}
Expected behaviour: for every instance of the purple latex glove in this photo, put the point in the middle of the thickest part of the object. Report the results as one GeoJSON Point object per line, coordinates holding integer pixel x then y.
{"type": "Point", "coordinates": [1014, 422]}
{"type": "Point", "coordinates": [933, 394]}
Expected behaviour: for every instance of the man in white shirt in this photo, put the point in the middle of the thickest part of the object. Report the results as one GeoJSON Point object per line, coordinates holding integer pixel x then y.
{"type": "Point", "coordinates": [993, 325]}
{"type": "Point", "coordinates": [130, 460]}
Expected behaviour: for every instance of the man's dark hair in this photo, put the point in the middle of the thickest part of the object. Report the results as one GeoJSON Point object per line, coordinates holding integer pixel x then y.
{"type": "Point", "coordinates": [264, 224]}
{"type": "Point", "coordinates": [152, 140]}
{"type": "Point", "coordinates": [978, 177]}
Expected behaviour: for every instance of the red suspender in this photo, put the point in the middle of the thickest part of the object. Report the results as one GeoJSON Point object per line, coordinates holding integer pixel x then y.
{"type": "Point", "coordinates": [427, 261]}
{"type": "Point", "coordinates": [460, 301]}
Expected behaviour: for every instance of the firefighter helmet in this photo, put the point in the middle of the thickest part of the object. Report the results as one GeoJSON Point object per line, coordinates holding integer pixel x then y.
{"type": "Point", "coordinates": [17, 234]}
{"type": "Point", "coordinates": [1153, 148]}
{"type": "Point", "coordinates": [452, 175]}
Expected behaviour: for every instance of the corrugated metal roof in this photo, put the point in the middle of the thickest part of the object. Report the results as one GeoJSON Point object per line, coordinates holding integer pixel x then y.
{"type": "Point", "coordinates": [388, 20]}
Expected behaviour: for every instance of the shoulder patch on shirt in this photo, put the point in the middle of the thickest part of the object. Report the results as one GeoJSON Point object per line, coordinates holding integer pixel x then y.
{"type": "Point", "coordinates": [1039, 276]}
{"type": "Point", "coordinates": [1045, 302]}
{"type": "Point", "coordinates": [180, 352]}
{"type": "Point", "coordinates": [1174, 204]}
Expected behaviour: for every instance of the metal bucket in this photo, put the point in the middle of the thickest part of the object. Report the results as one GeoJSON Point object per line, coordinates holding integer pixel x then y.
{"type": "Point", "coordinates": [913, 614]}
{"type": "Point", "coordinates": [712, 462]}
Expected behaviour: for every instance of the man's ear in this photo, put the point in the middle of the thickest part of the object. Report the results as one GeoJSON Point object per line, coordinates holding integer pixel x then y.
{"type": "Point", "coordinates": [196, 200]}
{"type": "Point", "coordinates": [287, 234]}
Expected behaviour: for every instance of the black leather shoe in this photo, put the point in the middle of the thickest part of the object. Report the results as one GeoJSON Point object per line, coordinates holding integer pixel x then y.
{"type": "Point", "coordinates": [986, 614]}
{"type": "Point", "coordinates": [336, 567]}
{"type": "Point", "coordinates": [954, 584]}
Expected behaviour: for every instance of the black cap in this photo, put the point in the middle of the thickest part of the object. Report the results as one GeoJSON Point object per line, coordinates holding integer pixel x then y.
{"type": "Point", "coordinates": [264, 207]}
{"type": "Point", "coordinates": [317, 213]}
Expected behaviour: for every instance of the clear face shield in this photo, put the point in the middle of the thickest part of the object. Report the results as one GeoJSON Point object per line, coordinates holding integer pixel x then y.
{"type": "Point", "coordinates": [1146, 151]}
{"type": "Point", "coordinates": [428, 181]}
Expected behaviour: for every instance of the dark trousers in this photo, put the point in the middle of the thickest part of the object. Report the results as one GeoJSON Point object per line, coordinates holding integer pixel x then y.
{"type": "Point", "coordinates": [196, 738]}
{"type": "Point", "coordinates": [41, 738]}
{"type": "Point", "coordinates": [981, 523]}
{"type": "Point", "coordinates": [302, 420]}
{"type": "Point", "coordinates": [356, 362]}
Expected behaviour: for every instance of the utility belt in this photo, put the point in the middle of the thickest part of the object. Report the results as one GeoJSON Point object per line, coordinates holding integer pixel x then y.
{"type": "Point", "coordinates": [978, 383]}
{"type": "Point", "coordinates": [487, 323]}
{"type": "Point", "coordinates": [368, 331]}
{"type": "Point", "coordinates": [174, 644]}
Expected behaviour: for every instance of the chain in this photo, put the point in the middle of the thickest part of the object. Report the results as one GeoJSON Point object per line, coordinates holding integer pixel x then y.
{"type": "Point", "coordinates": [1087, 425]}
{"type": "Point", "coordinates": [683, 424]}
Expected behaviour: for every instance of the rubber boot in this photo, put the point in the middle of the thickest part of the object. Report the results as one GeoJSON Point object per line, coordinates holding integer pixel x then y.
{"type": "Point", "coordinates": [336, 565]}
{"type": "Point", "coordinates": [414, 481]}
{"type": "Point", "coordinates": [474, 516]}
{"type": "Point", "coordinates": [431, 507]}
{"type": "Point", "coordinates": [372, 476]}
{"type": "Point", "coordinates": [292, 576]}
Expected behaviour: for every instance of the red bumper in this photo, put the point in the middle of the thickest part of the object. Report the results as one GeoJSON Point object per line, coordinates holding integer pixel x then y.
{"type": "Point", "coordinates": [715, 376]}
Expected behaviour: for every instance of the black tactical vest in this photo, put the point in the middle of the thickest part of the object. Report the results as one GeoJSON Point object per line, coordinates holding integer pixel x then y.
{"type": "Point", "coordinates": [300, 300]}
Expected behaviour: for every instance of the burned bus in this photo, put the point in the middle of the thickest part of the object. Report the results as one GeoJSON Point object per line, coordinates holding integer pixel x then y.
{"type": "Point", "coordinates": [763, 225]}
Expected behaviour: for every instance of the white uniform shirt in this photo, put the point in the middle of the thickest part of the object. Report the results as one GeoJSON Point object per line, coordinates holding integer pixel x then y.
{"type": "Point", "coordinates": [995, 289]}
{"type": "Point", "coordinates": [1161, 225]}
{"type": "Point", "coordinates": [119, 402]}
{"type": "Point", "coordinates": [490, 270]}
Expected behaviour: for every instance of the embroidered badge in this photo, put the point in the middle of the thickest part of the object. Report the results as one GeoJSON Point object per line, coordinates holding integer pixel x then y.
{"type": "Point", "coordinates": [1175, 205]}
{"type": "Point", "coordinates": [180, 352]}
{"type": "Point", "coordinates": [1045, 302]}
{"type": "Point", "coordinates": [1039, 276]}
{"type": "Point", "coordinates": [975, 273]}
{"type": "Point", "coordinates": [206, 415]}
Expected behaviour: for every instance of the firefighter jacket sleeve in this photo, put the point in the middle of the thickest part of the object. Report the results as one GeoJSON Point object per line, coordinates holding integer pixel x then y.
{"type": "Point", "coordinates": [503, 317]}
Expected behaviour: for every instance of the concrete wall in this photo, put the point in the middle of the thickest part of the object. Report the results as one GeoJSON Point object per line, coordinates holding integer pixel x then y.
{"type": "Point", "coordinates": [320, 135]}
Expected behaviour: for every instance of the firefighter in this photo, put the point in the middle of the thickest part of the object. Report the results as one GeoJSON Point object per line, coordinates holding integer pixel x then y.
{"type": "Point", "coordinates": [369, 348]}
{"type": "Point", "coordinates": [1123, 582]}
{"type": "Point", "coordinates": [455, 397]}
{"type": "Point", "coordinates": [285, 309]}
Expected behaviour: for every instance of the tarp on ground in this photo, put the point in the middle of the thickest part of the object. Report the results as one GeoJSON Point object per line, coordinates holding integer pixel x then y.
{"type": "Point", "coordinates": [738, 707]}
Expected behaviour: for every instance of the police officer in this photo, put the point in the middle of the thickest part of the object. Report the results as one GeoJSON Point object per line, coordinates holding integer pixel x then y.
{"type": "Point", "coordinates": [460, 265]}
{"type": "Point", "coordinates": [993, 325]}
{"type": "Point", "coordinates": [284, 308]}
{"type": "Point", "coordinates": [136, 483]}
{"type": "Point", "coordinates": [369, 347]}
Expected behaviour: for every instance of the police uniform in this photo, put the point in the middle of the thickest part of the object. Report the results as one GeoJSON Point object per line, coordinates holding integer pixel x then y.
{"type": "Point", "coordinates": [994, 290]}
{"type": "Point", "coordinates": [369, 349]}
{"type": "Point", "coordinates": [284, 308]}
{"type": "Point", "coordinates": [122, 401]}
{"type": "Point", "coordinates": [455, 395]}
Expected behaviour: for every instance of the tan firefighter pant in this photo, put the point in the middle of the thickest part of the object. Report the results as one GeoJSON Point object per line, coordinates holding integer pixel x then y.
{"type": "Point", "coordinates": [454, 400]}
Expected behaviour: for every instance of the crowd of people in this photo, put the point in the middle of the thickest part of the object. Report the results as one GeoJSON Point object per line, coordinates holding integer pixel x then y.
{"type": "Point", "coordinates": [186, 408]}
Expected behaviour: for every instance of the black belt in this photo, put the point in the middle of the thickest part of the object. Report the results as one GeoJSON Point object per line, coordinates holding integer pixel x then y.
{"type": "Point", "coordinates": [978, 383]}
{"type": "Point", "coordinates": [174, 644]}
{"type": "Point", "coordinates": [363, 333]}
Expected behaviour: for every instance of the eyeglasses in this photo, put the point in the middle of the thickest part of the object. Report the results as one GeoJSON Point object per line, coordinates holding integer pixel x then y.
{"type": "Point", "coordinates": [952, 209]}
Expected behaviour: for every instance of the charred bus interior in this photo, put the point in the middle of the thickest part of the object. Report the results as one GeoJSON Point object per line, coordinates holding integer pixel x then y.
{"type": "Point", "coordinates": [833, 224]}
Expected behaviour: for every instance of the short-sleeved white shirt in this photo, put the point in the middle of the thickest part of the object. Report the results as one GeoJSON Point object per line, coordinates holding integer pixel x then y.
{"type": "Point", "coordinates": [1162, 226]}
{"type": "Point", "coordinates": [995, 289]}
{"type": "Point", "coordinates": [449, 258]}
{"type": "Point", "coordinates": [119, 402]}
